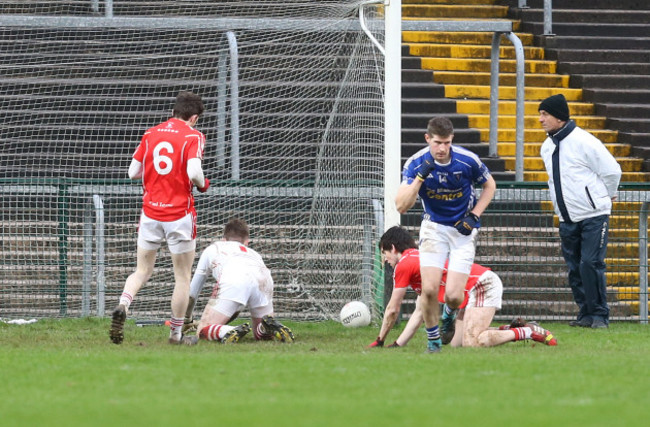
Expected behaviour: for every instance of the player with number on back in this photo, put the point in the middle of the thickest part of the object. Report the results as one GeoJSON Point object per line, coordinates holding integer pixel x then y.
{"type": "Point", "coordinates": [444, 177]}
{"type": "Point", "coordinates": [242, 279]}
{"type": "Point", "coordinates": [168, 161]}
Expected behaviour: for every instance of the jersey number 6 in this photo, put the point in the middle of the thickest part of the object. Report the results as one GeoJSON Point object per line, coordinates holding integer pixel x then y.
{"type": "Point", "coordinates": [160, 160]}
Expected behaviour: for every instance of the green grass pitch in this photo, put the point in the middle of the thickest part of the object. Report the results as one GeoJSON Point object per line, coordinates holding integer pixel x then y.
{"type": "Point", "coordinates": [66, 372]}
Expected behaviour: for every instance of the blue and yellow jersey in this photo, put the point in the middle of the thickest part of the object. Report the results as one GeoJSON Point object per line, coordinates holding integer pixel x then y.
{"type": "Point", "coordinates": [448, 193]}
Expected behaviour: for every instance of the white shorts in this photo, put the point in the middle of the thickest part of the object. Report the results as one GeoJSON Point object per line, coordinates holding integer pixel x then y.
{"type": "Point", "coordinates": [239, 290]}
{"type": "Point", "coordinates": [488, 291]}
{"type": "Point", "coordinates": [441, 242]}
{"type": "Point", "coordinates": [179, 234]}
{"type": "Point", "coordinates": [228, 308]}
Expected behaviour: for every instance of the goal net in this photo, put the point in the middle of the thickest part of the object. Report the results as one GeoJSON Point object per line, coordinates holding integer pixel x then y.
{"type": "Point", "coordinates": [294, 123]}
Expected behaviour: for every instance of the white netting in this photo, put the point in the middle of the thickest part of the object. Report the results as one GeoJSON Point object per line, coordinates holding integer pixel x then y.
{"type": "Point", "coordinates": [294, 122]}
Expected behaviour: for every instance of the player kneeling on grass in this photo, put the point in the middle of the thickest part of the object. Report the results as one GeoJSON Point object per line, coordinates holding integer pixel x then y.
{"type": "Point", "coordinates": [242, 280]}
{"type": "Point", "coordinates": [483, 293]}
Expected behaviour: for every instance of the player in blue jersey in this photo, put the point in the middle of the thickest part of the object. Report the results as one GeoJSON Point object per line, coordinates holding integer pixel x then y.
{"type": "Point", "coordinates": [444, 177]}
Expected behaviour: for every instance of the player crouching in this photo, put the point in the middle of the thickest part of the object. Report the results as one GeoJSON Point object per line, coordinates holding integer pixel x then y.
{"type": "Point", "coordinates": [242, 280]}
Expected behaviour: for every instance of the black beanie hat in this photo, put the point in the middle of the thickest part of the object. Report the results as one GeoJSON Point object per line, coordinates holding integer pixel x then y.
{"type": "Point", "coordinates": [556, 106]}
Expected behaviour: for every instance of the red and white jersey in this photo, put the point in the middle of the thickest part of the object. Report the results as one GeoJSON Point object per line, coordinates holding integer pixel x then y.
{"type": "Point", "coordinates": [476, 272]}
{"type": "Point", "coordinates": [232, 262]}
{"type": "Point", "coordinates": [164, 152]}
{"type": "Point", "coordinates": [407, 271]}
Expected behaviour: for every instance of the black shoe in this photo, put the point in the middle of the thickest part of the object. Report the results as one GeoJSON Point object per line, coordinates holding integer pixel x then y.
{"type": "Point", "coordinates": [236, 334]}
{"type": "Point", "coordinates": [117, 324]}
{"type": "Point", "coordinates": [278, 330]}
{"type": "Point", "coordinates": [585, 322]}
{"type": "Point", "coordinates": [599, 324]}
{"type": "Point", "coordinates": [448, 326]}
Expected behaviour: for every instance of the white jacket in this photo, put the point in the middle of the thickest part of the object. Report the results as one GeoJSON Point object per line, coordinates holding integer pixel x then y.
{"type": "Point", "coordinates": [590, 175]}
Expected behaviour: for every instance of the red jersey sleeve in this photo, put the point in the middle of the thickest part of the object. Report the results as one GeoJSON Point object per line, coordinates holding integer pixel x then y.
{"type": "Point", "coordinates": [407, 271]}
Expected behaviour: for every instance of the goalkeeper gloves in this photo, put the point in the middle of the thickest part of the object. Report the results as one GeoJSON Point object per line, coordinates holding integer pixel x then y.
{"type": "Point", "coordinates": [205, 187]}
{"type": "Point", "coordinates": [467, 224]}
{"type": "Point", "coordinates": [376, 343]}
{"type": "Point", "coordinates": [426, 168]}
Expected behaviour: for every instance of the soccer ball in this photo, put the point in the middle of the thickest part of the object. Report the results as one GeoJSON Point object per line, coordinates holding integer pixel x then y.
{"type": "Point", "coordinates": [355, 314]}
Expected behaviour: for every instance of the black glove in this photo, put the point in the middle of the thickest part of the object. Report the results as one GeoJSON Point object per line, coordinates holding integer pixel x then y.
{"type": "Point", "coordinates": [425, 169]}
{"type": "Point", "coordinates": [393, 345]}
{"type": "Point", "coordinates": [467, 224]}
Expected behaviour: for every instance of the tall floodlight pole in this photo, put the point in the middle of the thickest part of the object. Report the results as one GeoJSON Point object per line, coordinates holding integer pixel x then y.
{"type": "Point", "coordinates": [392, 109]}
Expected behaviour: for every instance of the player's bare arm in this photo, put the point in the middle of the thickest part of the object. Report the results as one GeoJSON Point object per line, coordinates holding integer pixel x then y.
{"type": "Point", "coordinates": [487, 194]}
{"type": "Point", "coordinates": [407, 195]}
{"type": "Point", "coordinates": [392, 311]}
{"type": "Point", "coordinates": [412, 326]}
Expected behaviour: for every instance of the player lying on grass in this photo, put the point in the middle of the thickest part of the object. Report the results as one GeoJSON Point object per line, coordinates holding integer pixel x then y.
{"type": "Point", "coordinates": [242, 280]}
{"type": "Point", "coordinates": [483, 293]}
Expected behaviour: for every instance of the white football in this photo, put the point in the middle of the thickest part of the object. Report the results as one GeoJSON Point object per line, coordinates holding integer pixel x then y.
{"type": "Point", "coordinates": [355, 314]}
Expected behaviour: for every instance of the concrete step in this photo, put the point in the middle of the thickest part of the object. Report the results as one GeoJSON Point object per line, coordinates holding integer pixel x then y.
{"type": "Point", "coordinates": [638, 111]}
{"type": "Point", "coordinates": [470, 51]}
{"type": "Point", "coordinates": [506, 79]}
{"type": "Point", "coordinates": [429, 105]}
{"type": "Point", "coordinates": [482, 106]}
{"type": "Point", "coordinates": [602, 81]}
{"type": "Point", "coordinates": [643, 153]}
{"type": "Point", "coordinates": [589, 30]}
{"type": "Point", "coordinates": [508, 121]}
{"type": "Point", "coordinates": [613, 68]}
{"type": "Point", "coordinates": [582, 4]}
{"type": "Point", "coordinates": [636, 139]}
{"type": "Point", "coordinates": [532, 149]}
{"type": "Point", "coordinates": [591, 16]}
{"type": "Point", "coordinates": [630, 125]}
{"type": "Point", "coordinates": [599, 55]}
{"type": "Point", "coordinates": [616, 96]}
{"type": "Point", "coordinates": [460, 37]}
{"type": "Point", "coordinates": [417, 76]}
{"type": "Point", "coordinates": [422, 90]}
{"type": "Point", "coordinates": [509, 92]}
{"type": "Point", "coordinates": [628, 164]}
{"type": "Point", "coordinates": [483, 65]}
{"type": "Point", "coordinates": [446, 11]}
{"type": "Point", "coordinates": [410, 148]}
{"type": "Point", "coordinates": [416, 134]}
{"type": "Point", "coordinates": [594, 42]}
{"type": "Point", "coordinates": [538, 135]}
{"type": "Point", "coordinates": [420, 120]}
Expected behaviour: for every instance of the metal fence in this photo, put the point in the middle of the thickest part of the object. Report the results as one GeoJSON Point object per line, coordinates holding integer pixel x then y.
{"type": "Point", "coordinates": [519, 240]}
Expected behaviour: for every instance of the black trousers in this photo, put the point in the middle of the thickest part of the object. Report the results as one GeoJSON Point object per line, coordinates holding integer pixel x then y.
{"type": "Point", "coordinates": [584, 246]}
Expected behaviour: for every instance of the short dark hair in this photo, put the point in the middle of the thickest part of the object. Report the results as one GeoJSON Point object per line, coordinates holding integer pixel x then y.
{"type": "Point", "coordinates": [187, 105]}
{"type": "Point", "coordinates": [236, 230]}
{"type": "Point", "coordinates": [397, 236]}
{"type": "Point", "coordinates": [440, 126]}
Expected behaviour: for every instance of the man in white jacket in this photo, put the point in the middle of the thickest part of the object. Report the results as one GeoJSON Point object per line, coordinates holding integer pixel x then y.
{"type": "Point", "coordinates": [582, 179]}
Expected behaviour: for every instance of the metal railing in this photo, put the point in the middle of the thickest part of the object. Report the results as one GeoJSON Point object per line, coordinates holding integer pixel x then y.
{"type": "Point", "coordinates": [548, 15]}
{"type": "Point", "coordinates": [498, 28]}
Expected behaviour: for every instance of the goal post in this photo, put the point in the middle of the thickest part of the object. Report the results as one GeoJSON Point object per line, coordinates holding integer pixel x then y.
{"type": "Point", "coordinates": [295, 123]}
